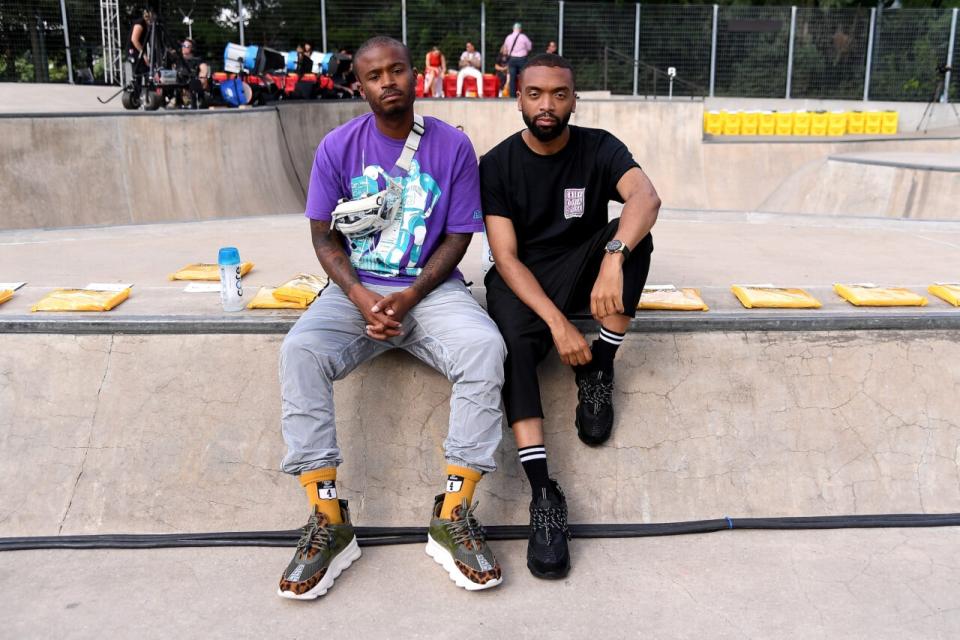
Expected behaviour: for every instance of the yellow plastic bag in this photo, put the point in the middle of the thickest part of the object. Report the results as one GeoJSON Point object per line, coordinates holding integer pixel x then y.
{"type": "Point", "coordinates": [948, 291]}
{"type": "Point", "coordinates": [5, 294]}
{"type": "Point", "coordinates": [204, 271]}
{"type": "Point", "coordinates": [302, 289]}
{"type": "Point", "coordinates": [669, 298]}
{"type": "Point", "coordinates": [81, 300]}
{"type": "Point", "coordinates": [770, 297]}
{"type": "Point", "coordinates": [266, 299]}
{"type": "Point", "coordinates": [870, 295]}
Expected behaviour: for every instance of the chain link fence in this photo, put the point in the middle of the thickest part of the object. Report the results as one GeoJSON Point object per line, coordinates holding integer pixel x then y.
{"type": "Point", "coordinates": [679, 37]}
{"type": "Point", "coordinates": [32, 45]}
{"type": "Point", "coordinates": [751, 41]}
{"type": "Point", "coordinates": [598, 38]}
{"type": "Point", "coordinates": [830, 53]}
{"type": "Point", "coordinates": [608, 48]}
{"type": "Point", "coordinates": [449, 26]}
{"type": "Point", "coordinates": [908, 46]}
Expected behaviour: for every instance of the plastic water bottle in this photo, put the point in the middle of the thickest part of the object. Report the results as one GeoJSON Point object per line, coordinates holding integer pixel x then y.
{"type": "Point", "coordinates": [231, 287]}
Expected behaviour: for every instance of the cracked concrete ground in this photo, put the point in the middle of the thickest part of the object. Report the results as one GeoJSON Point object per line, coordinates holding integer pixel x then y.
{"type": "Point", "coordinates": [896, 583]}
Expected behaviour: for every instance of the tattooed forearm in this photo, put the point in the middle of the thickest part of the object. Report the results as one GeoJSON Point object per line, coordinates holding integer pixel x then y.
{"type": "Point", "coordinates": [445, 258]}
{"type": "Point", "coordinates": [332, 257]}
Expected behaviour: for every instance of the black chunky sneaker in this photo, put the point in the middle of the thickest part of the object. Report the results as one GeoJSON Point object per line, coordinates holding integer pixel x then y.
{"type": "Point", "coordinates": [547, 553]}
{"type": "Point", "coordinates": [594, 406]}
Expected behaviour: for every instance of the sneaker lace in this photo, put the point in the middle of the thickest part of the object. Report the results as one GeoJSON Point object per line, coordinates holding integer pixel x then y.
{"type": "Point", "coordinates": [596, 391]}
{"type": "Point", "coordinates": [468, 531]}
{"type": "Point", "coordinates": [315, 537]}
{"type": "Point", "coordinates": [550, 520]}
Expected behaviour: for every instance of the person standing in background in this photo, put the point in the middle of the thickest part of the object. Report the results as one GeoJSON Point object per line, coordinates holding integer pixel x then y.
{"type": "Point", "coordinates": [518, 47]}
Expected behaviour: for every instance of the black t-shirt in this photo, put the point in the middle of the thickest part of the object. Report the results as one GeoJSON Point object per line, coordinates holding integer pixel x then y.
{"type": "Point", "coordinates": [555, 202]}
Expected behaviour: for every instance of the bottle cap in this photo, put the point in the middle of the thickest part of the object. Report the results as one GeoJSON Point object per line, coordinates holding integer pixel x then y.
{"type": "Point", "coordinates": [229, 255]}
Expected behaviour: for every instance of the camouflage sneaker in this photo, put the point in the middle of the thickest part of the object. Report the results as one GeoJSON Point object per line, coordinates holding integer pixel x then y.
{"type": "Point", "coordinates": [323, 552]}
{"type": "Point", "coordinates": [459, 546]}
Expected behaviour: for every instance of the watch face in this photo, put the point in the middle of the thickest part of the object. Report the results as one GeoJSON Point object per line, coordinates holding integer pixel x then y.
{"type": "Point", "coordinates": [613, 246]}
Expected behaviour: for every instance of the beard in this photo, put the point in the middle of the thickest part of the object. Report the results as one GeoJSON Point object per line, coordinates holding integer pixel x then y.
{"type": "Point", "coordinates": [545, 134]}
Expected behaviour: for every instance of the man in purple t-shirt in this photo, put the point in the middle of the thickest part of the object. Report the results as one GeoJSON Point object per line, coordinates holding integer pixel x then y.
{"type": "Point", "coordinates": [394, 284]}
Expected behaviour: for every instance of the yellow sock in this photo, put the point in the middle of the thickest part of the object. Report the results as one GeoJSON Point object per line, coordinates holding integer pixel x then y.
{"type": "Point", "coordinates": [321, 486]}
{"type": "Point", "coordinates": [460, 484]}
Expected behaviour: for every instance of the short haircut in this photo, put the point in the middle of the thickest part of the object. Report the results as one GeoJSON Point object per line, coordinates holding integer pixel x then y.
{"type": "Point", "coordinates": [549, 60]}
{"type": "Point", "coordinates": [384, 41]}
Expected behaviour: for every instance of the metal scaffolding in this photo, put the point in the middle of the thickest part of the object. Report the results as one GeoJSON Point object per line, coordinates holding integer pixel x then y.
{"type": "Point", "coordinates": [110, 38]}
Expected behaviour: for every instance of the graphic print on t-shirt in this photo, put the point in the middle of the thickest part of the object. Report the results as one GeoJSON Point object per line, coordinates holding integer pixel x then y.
{"type": "Point", "coordinates": [573, 203]}
{"type": "Point", "coordinates": [396, 249]}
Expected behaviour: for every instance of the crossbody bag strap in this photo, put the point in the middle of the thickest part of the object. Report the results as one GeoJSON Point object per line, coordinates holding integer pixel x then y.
{"type": "Point", "coordinates": [412, 143]}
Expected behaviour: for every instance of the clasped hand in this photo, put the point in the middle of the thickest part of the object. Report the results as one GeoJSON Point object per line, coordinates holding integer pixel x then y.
{"type": "Point", "coordinates": [384, 314]}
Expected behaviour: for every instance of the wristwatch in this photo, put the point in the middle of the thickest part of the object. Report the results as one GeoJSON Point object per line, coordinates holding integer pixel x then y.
{"type": "Point", "coordinates": [618, 246]}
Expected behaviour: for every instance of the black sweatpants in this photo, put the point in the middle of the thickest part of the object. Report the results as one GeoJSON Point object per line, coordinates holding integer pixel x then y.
{"type": "Point", "coordinates": [567, 280]}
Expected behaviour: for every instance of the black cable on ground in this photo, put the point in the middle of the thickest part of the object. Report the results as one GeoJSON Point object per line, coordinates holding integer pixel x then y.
{"type": "Point", "coordinates": [379, 536]}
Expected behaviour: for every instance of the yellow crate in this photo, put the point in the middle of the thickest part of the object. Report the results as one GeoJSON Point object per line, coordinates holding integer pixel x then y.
{"type": "Point", "coordinates": [888, 122]}
{"type": "Point", "coordinates": [819, 122]}
{"type": "Point", "coordinates": [874, 122]}
{"type": "Point", "coordinates": [801, 123]}
{"type": "Point", "coordinates": [784, 123]}
{"type": "Point", "coordinates": [768, 124]}
{"type": "Point", "coordinates": [731, 123]}
{"type": "Point", "coordinates": [713, 123]}
{"type": "Point", "coordinates": [856, 121]}
{"type": "Point", "coordinates": [749, 123]}
{"type": "Point", "coordinates": [837, 123]}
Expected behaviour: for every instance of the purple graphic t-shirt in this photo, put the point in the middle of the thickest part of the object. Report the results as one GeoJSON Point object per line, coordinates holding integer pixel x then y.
{"type": "Point", "coordinates": [441, 194]}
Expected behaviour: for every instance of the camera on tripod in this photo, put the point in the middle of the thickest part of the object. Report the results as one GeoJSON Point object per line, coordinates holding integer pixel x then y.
{"type": "Point", "coordinates": [940, 94]}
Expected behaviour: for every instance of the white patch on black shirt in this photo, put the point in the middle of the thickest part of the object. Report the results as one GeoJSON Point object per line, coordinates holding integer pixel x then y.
{"type": "Point", "coordinates": [573, 203]}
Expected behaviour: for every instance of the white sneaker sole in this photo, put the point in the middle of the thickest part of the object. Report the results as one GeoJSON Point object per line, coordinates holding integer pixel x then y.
{"type": "Point", "coordinates": [340, 563]}
{"type": "Point", "coordinates": [443, 558]}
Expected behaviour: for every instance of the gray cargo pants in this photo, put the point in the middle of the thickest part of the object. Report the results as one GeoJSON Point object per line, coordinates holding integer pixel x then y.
{"type": "Point", "coordinates": [448, 330]}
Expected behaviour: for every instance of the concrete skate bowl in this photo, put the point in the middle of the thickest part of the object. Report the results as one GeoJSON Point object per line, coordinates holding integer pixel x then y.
{"type": "Point", "coordinates": [923, 186]}
{"type": "Point", "coordinates": [75, 170]}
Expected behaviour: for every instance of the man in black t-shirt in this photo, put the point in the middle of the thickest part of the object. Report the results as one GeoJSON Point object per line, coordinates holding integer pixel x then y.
{"type": "Point", "coordinates": [545, 193]}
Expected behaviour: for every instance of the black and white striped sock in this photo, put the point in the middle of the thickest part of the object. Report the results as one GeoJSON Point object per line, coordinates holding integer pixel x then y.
{"type": "Point", "coordinates": [534, 461]}
{"type": "Point", "coordinates": [605, 348]}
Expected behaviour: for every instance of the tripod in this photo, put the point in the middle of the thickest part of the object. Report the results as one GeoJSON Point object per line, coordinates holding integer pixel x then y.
{"type": "Point", "coordinates": [935, 98]}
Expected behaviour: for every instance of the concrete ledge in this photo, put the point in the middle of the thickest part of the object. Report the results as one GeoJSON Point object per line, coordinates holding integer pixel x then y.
{"type": "Point", "coordinates": [923, 161]}
{"type": "Point", "coordinates": [180, 433]}
{"type": "Point", "coordinates": [888, 319]}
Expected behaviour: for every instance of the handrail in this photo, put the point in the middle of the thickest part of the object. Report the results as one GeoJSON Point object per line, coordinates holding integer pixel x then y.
{"type": "Point", "coordinates": [698, 89]}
